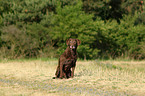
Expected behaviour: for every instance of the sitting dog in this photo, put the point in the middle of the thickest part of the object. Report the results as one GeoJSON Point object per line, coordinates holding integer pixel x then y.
{"type": "Point", "coordinates": [67, 60]}
{"type": "Point", "coordinates": [66, 69]}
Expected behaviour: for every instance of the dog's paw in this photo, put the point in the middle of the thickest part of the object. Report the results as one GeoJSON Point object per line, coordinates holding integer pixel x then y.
{"type": "Point", "coordinates": [61, 77]}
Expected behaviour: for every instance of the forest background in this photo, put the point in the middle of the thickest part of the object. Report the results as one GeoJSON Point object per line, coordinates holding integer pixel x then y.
{"type": "Point", "coordinates": [108, 29]}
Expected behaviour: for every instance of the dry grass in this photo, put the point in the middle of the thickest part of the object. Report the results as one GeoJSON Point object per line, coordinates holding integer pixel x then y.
{"type": "Point", "coordinates": [34, 78]}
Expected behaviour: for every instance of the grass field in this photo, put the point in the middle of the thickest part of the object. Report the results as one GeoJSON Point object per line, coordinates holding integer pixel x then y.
{"type": "Point", "coordinates": [92, 78]}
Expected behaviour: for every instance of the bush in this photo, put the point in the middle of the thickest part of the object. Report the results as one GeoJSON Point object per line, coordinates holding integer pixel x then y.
{"type": "Point", "coordinates": [33, 42]}
{"type": "Point", "coordinates": [140, 19]}
{"type": "Point", "coordinates": [124, 39]}
{"type": "Point", "coordinates": [15, 42]}
{"type": "Point", "coordinates": [71, 22]}
{"type": "Point", "coordinates": [36, 28]}
{"type": "Point", "coordinates": [41, 41]}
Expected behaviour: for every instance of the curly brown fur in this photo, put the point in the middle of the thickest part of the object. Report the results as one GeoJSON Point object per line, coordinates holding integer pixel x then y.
{"type": "Point", "coordinates": [67, 60]}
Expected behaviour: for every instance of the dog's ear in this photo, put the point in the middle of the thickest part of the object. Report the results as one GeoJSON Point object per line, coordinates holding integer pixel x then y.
{"type": "Point", "coordinates": [67, 41]}
{"type": "Point", "coordinates": [78, 41]}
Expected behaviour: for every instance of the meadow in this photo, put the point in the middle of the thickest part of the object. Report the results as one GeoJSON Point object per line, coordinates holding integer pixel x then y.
{"type": "Point", "coordinates": [92, 78]}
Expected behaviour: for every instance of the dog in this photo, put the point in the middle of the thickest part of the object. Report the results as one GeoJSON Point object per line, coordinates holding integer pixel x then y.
{"type": "Point", "coordinates": [67, 61]}
{"type": "Point", "coordinates": [66, 69]}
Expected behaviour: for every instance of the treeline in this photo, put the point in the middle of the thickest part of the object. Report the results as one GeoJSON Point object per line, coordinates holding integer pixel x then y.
{"type": "Point", "coordinates": [40, 28]}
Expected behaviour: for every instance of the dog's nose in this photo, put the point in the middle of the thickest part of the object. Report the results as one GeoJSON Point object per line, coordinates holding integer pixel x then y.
{"type": "Point", "coordinates": [72, 47]}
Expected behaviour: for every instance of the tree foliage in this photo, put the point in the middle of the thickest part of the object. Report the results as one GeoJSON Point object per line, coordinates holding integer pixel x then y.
{"type": "Point", "coordinates": [71, 22]}
{"type": "Point", "coordinates": [106, 28]}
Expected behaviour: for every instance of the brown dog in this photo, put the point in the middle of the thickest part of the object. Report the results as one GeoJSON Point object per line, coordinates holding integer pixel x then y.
{"type": "Point", "coordinates": [66, 69]}
{"type": "Point", "coordinates": [67, 60]}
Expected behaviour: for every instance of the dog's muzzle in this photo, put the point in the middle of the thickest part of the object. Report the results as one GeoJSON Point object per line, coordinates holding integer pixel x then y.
{"type": "Point", "coordinates": [72, 47]}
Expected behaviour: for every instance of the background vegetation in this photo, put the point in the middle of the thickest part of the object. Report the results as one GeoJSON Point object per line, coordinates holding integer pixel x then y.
{"type": "Point", "coordinates": [107, 28]}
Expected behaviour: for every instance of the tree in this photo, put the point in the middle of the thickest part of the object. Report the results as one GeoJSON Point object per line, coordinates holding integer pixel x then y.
{"type": "Point", "coordinates": [28, 11]}
{"type": "Point", "coordinates": [112, 9]}
{"type": "Point", "coordinates": [71, 22]}
{"type": "Point", "coordinates": [0, 30]}
{"type": "Point", "coordinates": [106, 9]}
{"type": "Point", "coordinates": [125, 39]}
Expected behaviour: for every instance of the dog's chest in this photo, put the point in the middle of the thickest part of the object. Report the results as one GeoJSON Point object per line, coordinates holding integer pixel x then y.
{"type": "Point", "coordinates": [71, 55]}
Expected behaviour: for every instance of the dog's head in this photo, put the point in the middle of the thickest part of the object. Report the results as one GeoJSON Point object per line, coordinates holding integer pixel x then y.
{"type": "Point", "coordinates": [73, 43]}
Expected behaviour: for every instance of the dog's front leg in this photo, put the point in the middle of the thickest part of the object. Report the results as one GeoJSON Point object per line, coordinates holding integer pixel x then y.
{"type": "Point", "coordinates": [61, 71]}
{"type": "Point", "coordinates": [73, 68]}
{"type": "Point", "coordinates": [72, 73]}
{"type": "Point", "coordinates": [57, 74]}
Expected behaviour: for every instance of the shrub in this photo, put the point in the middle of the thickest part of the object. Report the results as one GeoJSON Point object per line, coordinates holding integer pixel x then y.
{"type": "Point", "coordinates": [124, 38]}
{"type": "Point", "coordinates": [71, 22]}
{"type": "Point", "coordinates": [41, 40]}
{"type": "Point", "coordinates": [15, 42]}
{"type": "Point", "coordinates": [33, 42]}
